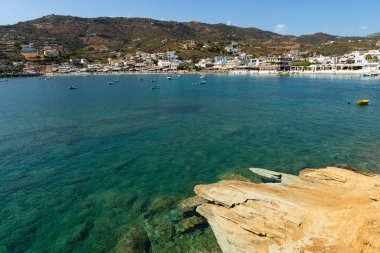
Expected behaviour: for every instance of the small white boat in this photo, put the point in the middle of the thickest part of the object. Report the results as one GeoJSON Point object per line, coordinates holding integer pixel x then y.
{"type": "Point", "coordinates": [169, 77]}
{"type": "Point", "coordinates": [202, 77]}
{"type": "Point", "coordinates": [179, 75]}
{"type": "Point", "coordinates": [155, 87]}
{"type": "Point", "coordinates": [202, 82]}
{"type": "Point", "coordinates": [111, 83]}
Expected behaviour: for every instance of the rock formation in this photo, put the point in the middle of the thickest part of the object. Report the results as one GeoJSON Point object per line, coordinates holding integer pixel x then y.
{"type": "Point", "coordinates": [321, 210]}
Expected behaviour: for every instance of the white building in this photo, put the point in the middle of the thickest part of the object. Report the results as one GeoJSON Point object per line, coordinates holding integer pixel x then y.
{"type": "Point", "coordinates": [50, 52]}
{"type": "Point", "coordinates": [205, 63]}
{"type": "Point", "coordinates": [357, 57]}
{"type": "Point", "coordinates": [27, 48]}
{"type": "Point", "coordinates": [255, 62]}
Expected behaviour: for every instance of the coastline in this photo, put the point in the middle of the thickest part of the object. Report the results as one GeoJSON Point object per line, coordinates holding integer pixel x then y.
{"type": "Point", "coordinates": [203, 72]}
{"type": "Point", "coordinates": [248, 73]}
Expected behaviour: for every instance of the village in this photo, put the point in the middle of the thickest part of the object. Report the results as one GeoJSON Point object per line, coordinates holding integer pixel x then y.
{"type": "Point", "coordinates": [366, 63]}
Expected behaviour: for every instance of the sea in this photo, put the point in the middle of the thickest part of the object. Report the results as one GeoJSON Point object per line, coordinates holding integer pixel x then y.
{"type": "Point", "coordinates": [101, 168]}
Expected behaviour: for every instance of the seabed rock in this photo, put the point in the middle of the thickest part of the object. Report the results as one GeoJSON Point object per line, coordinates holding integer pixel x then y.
{"type": "Point", "coordinates": [189, 224]}
{"type": "Point", "coordinates": [189, 205]}
{"type": "Point", "coordinates": [171, 231]}
{"type": "Point", "coordinates": [160, 204]}
{"type": "Point", "coordinates": [135, 241]}
{"type": "Point", "coordinates": [321, 210]}
{"type": "Point", "coordinates": [3, 249]}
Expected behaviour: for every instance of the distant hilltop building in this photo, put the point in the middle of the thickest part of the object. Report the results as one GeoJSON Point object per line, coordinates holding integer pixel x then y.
{"type": "Point", "coordinates": [27, 48]}
{"type": "Point", "coordinates": [50, 52]}
{"type": "Point", "coordinates": [90, 34]}
{"type": "Point", "coordinates": [189, 45]}
{"type": "Point", "coordinates": [104, 50]}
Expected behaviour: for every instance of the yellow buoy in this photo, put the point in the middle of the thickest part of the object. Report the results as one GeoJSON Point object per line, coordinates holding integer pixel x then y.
{"type": "Point", "coordinates": [362, 102]}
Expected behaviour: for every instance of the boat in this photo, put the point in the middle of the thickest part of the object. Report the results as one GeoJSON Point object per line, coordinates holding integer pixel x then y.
{"type": "Point", "coordinates": [370, 75]}
{"type": "Point", "coordinates": [202, 82]}
{"type": "Point", "coordinates": [155, 87]}
{"type": "Point", "coordinates": [116, 81]}
{"type": "Point", "coordinates": [111, 83]}
{"type": "Point", "coordinates": [169, 77]}
{"type": "Point", "coordinates": [179, 75]}
{"type": "Point", "coordinates": [362, 102]}
{"type": "Point", "coordinates": [140, 79]}
{"type": "Point", "coordinates": [72, 87]}
{"type": "Point", "coordinates": [202, 77]}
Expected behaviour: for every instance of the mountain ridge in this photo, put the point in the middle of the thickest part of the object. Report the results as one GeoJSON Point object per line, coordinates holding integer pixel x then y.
{"type": "Point", "coordinates": [85, 37]}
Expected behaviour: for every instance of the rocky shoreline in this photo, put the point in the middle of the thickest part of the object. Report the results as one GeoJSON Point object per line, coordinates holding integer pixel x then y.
{"type": "Point", "coordinates": [321, 210]}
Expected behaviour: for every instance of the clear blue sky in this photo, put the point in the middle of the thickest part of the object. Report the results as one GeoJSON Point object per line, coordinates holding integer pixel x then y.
{"type": "Point", "coordinates": [340, 17]}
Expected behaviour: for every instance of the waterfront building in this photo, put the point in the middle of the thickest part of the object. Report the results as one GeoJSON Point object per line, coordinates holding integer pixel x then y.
{"type": "Point", "coordinates": [205, 63]}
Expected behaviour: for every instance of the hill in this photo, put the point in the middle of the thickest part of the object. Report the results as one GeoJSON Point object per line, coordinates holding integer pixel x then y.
{"type": "Point", "coordinates": [98, 38]}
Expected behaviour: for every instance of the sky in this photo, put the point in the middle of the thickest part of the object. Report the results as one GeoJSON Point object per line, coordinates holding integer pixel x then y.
{"type": "Point", "coordinates": [294, 17]}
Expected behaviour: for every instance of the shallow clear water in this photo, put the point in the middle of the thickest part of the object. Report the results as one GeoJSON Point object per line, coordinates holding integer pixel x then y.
{"type": "Point", "coordinates": [102, 154]}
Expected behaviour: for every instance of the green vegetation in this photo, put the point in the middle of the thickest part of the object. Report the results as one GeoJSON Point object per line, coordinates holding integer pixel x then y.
{"type": "Point", "coordinates": [301, 64]}
{"type": "Point", "coordinates": [371, 58]}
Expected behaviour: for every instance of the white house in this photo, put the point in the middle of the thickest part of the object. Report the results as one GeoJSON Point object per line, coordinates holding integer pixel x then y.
{"type": "Point", "coordinates": [50, 52]}
{"type": "Point", "coordinates": [27, 48]}
{"type": "Point", "coordinates": [358, 57]}
{"type": "Point", "coordinates": [205, 63]}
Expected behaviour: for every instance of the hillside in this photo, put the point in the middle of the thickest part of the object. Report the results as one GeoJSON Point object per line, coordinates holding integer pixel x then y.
{"type": "Point", "coordinates": [96, 38]}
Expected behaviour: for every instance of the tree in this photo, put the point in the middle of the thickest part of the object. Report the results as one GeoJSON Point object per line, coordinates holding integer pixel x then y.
{"type": "Point", "coordinates": [301, 64]}
{"type": "Point", "coordinates": [371, 58]}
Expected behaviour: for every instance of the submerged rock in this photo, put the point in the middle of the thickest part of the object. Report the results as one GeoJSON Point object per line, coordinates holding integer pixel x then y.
{"type": "Point", "coordinates": [321, 210]}
{"type": "Point", "coordinates": [233, 176]}
{"type": "Point", "coordinates": [3, 249]}
{"type": "Point", "coordinates": [135, 241]}
{"type": "Point", "coordinates": [160, 204]}
{"type": "Point", "coordinates": [189, 205]}
{"type": "Point", "coordinates": [240, 175]}
{"type": "Point", "coordinates": [81, 232]}
{"type": "Point", "coordinates": [189, 224]}
{"type": "Point", "coordinates": [171, 231]}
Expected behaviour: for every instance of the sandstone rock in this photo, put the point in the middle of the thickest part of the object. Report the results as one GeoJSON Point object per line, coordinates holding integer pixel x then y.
{"type": "Point", "coordinates": [321, 210]}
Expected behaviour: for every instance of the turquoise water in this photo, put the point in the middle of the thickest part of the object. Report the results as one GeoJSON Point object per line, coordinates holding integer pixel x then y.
{"type": "Point", "coordinates": [94, 159]}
